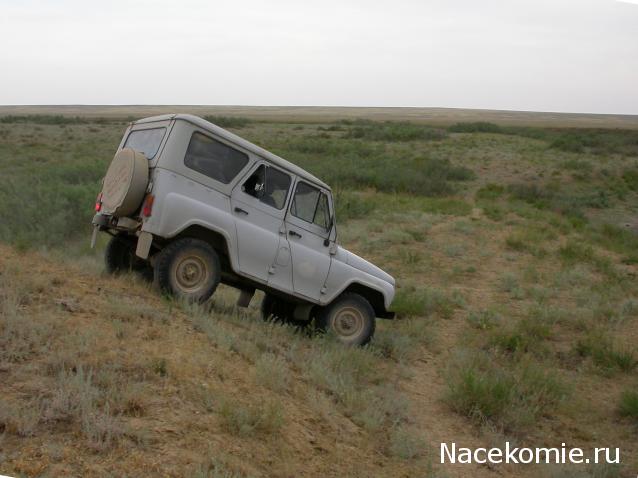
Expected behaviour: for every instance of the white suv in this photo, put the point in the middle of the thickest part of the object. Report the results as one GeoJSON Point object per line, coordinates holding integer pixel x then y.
{"type": "Point", "coordinates": [195, 205]}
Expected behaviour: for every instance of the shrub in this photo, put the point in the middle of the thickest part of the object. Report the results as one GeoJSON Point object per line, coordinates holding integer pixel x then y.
{"type": "Point", "coordinates": [526, 241]}
{"type": "Point", "coordinates": [245, 420]}
{"type": "Point", "coordinates": [573, 252]}
{"type": "Point", "coordinates": [604, 353]}
{"type": "Point", "coordinates": [578, 165]}
{"type": "Point", "coordinates": [394, 131]}
{"type": "Point", "coordinates": [20, 338]}
{"type": "Point", "coordinates": [410, 301]}
{"type": "Point", "coordinates": [351, 206]}
{"type": "Point", "coordinates": [630, 176]}
{"type": "Point", "coordinates": [402, 340]}
{"type": "Point", "coordinates": [272, 372]}
{"type": "Point", "coordinates": [509, 395]}
{"type": "Point", "coordinates": [475, 127]}
{"type": "Point", "coordinates": [214, 468]}
{"type": "Point", "coordinates": [101, 429]}
{"type": "Point", "coordinates": [484, 319]}
{"type": "Point", "coordinates": [525, 336]}
{"type": "Point", "coordinates": [618, 239]}
{"type": "Point", "coordinates": [448, 206]}
{"type": "Point", "coordinates": [596, 141]}
{"type": "Point", "coordinates": [235, 122]}
{"type": "Point", "coordinates": [405, 443]}
{"type": "Point", "coordinates": [49, 119]}
{"type": "Point", "coordinates": [20, 420]}
{"type": "Point", "coordinates": [629, 404]}
{"type": "Point", "coordinates": [490, 191]}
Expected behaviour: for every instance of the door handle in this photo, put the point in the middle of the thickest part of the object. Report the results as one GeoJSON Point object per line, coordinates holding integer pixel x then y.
{"type": "Point", "coordinates": [242, 211]}
{"type": "Point", "coordinates": [294, 234]}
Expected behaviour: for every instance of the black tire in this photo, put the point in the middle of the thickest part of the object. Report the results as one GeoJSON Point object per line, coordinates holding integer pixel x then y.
{"type": "Point", "coordinates": [188, 269]}
{"type": "Point", "coordinates": [119, 256]}
{"type": "Point", "coordinates": [279, 311]}
{"type": "Point", "coordinates": [350, 318]}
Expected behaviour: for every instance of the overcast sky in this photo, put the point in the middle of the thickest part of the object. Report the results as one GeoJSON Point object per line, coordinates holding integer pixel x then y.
{"type": "Point", "coordinates": [542, 55]}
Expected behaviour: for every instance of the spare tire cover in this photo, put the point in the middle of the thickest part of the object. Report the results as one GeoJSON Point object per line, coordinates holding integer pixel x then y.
{"type": "Point", "coordinates": [125, 183]}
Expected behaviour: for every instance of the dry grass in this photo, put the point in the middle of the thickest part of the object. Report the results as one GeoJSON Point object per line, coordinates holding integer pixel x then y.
{"type": "Point", "coordinates": [513, 268]}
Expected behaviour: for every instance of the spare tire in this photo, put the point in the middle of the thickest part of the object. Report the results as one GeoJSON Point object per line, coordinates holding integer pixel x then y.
{"type": "Point", "coordinates": [125, 183]}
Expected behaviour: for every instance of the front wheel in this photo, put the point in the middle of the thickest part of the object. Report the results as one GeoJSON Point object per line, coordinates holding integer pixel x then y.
{"type": "Point", "coordinates": [350, 318]}
{"type": "Point", "coordinates": [189, 269]}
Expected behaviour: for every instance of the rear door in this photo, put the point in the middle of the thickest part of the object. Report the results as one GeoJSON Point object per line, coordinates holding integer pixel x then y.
{"type": "Point", "coordinates": [258, 204]}
{"type": "Point", "coordinates": [307, 225]}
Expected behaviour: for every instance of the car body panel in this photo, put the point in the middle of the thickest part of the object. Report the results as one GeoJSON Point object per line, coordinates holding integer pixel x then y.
{"type": "Point", "coordinates": [266, 247]}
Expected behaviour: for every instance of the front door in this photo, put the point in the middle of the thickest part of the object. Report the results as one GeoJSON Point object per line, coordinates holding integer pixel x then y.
{"type": "Point", "coordinates": [308, 224]}
{"type": "Point", "coordinates": [258, 204]}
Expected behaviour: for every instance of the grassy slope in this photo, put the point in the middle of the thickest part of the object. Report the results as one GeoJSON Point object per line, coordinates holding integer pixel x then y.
{"type": "Point", "coordinates": [509, 284]}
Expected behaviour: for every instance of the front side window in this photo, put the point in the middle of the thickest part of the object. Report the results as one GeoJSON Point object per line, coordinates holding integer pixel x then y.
{"type": "Point", "coordinates": [269, 185]}
{"type": "Point", "coordinates": [145, 141]}
{"type": "Point", "coordinates": [214, 158]}
{"type": "Point", "coordinates": [311, 205]}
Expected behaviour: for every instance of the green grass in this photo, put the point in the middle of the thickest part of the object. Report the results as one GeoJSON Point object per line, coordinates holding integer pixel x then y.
{"type": "Point", "coordinates": [232, 122]}
{"type": "Point", "coordinates": [537, 291]}
{"type": "Point", "coordinates": [509, 395]}
{"type": "Point", "coordinates": [413, 302]}
{"type": "Point", "coordinates": [605, 354]}
{"type": "Point", "coordinates": [256, 418]}
{"type": "Point", "coordinates": [393, 131]}
{"type": "Point", "coordinates": [572, 140]}
{"type": "Point", "coordinates": [629, 404]}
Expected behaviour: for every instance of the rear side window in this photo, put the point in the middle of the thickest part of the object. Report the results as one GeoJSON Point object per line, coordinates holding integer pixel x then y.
{"type": "Point", "coordinates": [311, 205]}
{"type": "Point", "coordinates": [145, 141]}
{"type": "Point", "coordinates": [214, 159]}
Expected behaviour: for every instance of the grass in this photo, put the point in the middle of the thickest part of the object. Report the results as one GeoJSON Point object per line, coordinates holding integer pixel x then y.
{"type": "Point", "coordinates": [511, 396]}
{"type": "Point", "coordinates": [484, 319]}
{"type": "Point", "coordinates": [413, 302]}
{"type": "Point", "coordinates": [232, 122]}
{"type": "Point", "coordinates": [594, 141]}
{"type": "Point", "coordinates": [393, 131]}
{"type": "Point", "coordinates": [247, 420]}
{"type": "Point", "coordinates": [629, 404]}
{"type": "Point", "coordinates": [405, 443]}
{"type": "Point", "coordinates": [272, 372]}
{"type": "Point", "coordinates": [605, 354]}
{"type": "Point", "coordinates": [515, 237]}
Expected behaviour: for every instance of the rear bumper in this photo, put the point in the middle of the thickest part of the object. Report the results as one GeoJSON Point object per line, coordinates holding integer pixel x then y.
{"type": "Point", "coordinates": [102, 222]}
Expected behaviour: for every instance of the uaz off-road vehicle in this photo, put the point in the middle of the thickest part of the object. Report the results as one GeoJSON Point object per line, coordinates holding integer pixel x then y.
{"type": "Point", "coordinates": [195, 205]}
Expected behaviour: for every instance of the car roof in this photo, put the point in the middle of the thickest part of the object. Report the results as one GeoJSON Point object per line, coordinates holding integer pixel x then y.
{"type": "Point", "coordinates": [239, 141]}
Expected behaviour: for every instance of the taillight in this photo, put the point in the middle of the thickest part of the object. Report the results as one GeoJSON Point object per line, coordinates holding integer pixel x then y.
{"type": "Point", "coordinates": [147, 209]}
{"type": "Point", "coordinates": [98, 203]}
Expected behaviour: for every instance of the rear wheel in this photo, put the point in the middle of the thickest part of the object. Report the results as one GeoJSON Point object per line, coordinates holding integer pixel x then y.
{"type": "Point", "coordinates": [350, 318]}
{"type": "Point", "coordinates": [188, 269]}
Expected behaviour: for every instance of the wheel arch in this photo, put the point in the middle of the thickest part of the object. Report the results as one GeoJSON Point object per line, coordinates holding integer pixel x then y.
{"type": "Point", "coordinates": [216, 239]}
{"type": "Point", "coordinates": [373, 296]}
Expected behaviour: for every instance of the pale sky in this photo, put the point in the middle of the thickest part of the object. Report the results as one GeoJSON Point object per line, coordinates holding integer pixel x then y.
{"type": "Point", "coordinates": [539, 55]}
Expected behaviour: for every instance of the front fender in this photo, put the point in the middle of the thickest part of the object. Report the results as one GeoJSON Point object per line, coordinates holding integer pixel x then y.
{"type": "Point", "coordinates": [342, 276]}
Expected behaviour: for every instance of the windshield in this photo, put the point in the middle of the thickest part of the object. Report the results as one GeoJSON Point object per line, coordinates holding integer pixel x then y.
{"type": "Point", "coordinates": [145, 141]}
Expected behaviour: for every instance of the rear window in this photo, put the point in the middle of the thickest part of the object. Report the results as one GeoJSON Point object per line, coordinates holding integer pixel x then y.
{"type": "Point", "coordinates": [214, 159]}
{"type": "Point", "coordinates": [145, 141]}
